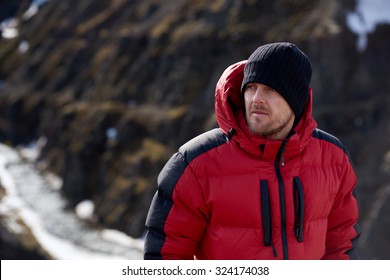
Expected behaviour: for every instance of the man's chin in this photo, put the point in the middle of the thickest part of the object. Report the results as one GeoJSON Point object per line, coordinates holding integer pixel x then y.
{"type": "Point", "coordinates": [256, 131]}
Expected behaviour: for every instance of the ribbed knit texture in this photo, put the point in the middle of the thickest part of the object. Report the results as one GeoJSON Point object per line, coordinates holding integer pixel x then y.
{"type": "Point", "coordinates": [283, 67]}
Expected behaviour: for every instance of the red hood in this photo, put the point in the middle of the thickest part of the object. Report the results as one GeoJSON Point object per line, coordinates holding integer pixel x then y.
{"type": "Point", "coordinates": [228, 107]}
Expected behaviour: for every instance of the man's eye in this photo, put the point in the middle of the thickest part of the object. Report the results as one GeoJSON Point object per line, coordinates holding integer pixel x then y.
{"type": "Point", "coordinates": [268, 89]}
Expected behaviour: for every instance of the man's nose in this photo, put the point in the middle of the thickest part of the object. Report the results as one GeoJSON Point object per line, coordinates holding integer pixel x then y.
{"type": "Point", "coordinates": [258, 97]}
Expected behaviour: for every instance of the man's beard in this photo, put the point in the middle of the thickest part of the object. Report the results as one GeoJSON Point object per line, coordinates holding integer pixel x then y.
{"type": "Point", "coordinates": [271, 129]}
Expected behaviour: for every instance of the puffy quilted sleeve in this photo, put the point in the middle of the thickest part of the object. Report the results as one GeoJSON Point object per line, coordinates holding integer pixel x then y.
{"type": "Point", "coordinates": [343, 231]}
{"type": "Point", "coordinates": [178, 214]}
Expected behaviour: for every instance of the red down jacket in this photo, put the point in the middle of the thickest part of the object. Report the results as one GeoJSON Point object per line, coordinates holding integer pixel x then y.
{"type": "Point", "coordinates": [228, 194]}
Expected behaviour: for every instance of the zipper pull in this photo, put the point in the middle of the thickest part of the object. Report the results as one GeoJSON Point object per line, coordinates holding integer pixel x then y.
{"type": "Point", "coordinates": [284, 144]}
{"type": "Point", "coordinates": [296, 231]}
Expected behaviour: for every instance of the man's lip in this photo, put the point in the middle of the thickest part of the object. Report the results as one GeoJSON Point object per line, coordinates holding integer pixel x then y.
{"type": "Point", "coordinates": [259, 113]}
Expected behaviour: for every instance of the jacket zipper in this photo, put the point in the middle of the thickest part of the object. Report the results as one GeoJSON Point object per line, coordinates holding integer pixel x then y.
{"type": "Point", "coordinates": [278, 163]}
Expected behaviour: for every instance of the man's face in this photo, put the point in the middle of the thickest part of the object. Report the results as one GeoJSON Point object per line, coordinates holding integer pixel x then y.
{"type": "Point", "coordinates": [267, 113]}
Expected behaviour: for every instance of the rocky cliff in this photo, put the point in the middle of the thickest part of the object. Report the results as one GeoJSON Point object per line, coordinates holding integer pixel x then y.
{"type": "Point", "coordinates": [113, 88]}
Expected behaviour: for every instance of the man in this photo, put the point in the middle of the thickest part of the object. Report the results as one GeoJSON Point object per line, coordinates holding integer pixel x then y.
{"type": "Point", "coordinates": [267, 184]}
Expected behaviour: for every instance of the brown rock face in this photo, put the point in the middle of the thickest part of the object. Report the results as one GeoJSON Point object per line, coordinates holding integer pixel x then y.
{"type": "Point", "coordinates": [115, 87]}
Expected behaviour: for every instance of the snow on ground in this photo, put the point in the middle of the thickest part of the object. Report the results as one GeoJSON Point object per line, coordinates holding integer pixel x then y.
{"type": "Point", "coordinates": [367, 15]}
{"type": "Point", "coordinates": [60, 232]}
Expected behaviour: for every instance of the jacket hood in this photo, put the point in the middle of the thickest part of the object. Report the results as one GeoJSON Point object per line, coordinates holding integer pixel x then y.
{"type": "Point", "coordinates": [229, 104]}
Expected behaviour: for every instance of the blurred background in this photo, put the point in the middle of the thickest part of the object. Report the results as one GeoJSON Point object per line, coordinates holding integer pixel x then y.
{"type": "Point", "coordinates": [95, 96]}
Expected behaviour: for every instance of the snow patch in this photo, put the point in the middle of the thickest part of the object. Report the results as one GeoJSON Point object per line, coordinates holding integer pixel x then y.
{"type": "Point", "coordinates": [23, 47]}
{"type": "Point", "coordinates": [9, 28]}
{"type": "Point", "coordinates": [121, 238]}
{"type": "Point", "coordinates": [111, 133]}
{"type": "Point", "coordinates": [17, 216]}
{"type": "Point", "coordinates": [367, 15]}
{"type": "Point", "coordinates": [33, 9]}
{"type": "Point", "coordinates": [84, 210]}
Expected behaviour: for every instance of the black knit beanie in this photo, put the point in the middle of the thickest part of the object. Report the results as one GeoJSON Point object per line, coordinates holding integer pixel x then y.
{"type": "Point", "coordinates": [284, 68]}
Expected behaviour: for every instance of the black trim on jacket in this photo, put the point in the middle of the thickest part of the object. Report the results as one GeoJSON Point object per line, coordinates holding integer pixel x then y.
{"type": "Point", "coordinates": [266, 213]}
{"type": "Point", "coordinates": [299, 208]}
{"type": "Point", "coordinates": [352, 253]}
{"type": "Point", "coordinates": [322, 135]}
{"type": "Point", "coordinates": [167, 179]}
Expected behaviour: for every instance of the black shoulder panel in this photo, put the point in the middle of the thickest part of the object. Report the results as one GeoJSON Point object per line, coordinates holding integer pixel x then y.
{"type": "Point", "coordinates": [203, 143]}
{"type": "Point", "coordinates": [167, 179]}
{"type": "Point", "coordinates": [175, 167]}
{"type": "Point", "coordinates": [322, 135]}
